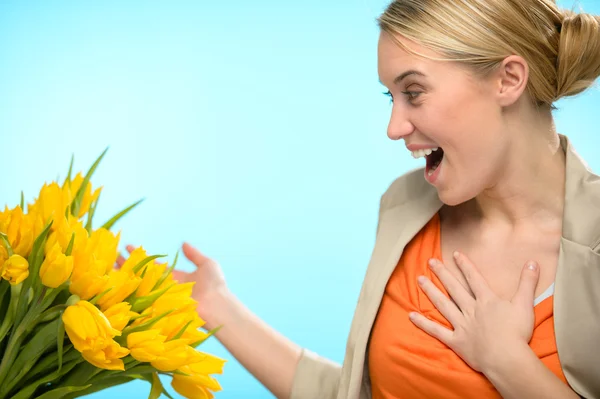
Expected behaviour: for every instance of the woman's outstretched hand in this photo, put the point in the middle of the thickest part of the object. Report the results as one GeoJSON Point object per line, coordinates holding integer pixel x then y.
{"type": "Point", "coordinates": [209, 282]}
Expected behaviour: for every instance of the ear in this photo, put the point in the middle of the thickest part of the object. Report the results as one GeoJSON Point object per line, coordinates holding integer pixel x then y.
{"type": "Point", "coordinates": [511, 76]}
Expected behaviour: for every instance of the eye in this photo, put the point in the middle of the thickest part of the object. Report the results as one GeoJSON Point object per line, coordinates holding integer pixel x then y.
{"type": "Point", "coordinates": [411, 95]}
{"type": "Point", "coordinates": [389, 94]}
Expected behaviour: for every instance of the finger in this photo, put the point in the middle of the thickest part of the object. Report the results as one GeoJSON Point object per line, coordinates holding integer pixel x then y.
{"type": "Point", "coordinates": [195, 256]}
{"type": "Point", "coordinates": [477, 283]}
{"type": "Point", "coordinates": [179, 275]}
{"type": "Point", "coordinates": [130, 248]}
{"type": "Point", "coordinates": [461, 296]}
{"type": "Point", "coordinates": [441, 302]}
{"type": "Point", "coordinates": [530, 276]}
{"type": "Point", "coordinates": [432, 328]}
{"type": "Point", "coordinates": [120, 261]}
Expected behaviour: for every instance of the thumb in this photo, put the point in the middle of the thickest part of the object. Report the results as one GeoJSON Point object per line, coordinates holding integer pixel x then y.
{"type": "Point", "coordinates": [195, 256]}
{"type": "Point", "coordinates": [530, 275]}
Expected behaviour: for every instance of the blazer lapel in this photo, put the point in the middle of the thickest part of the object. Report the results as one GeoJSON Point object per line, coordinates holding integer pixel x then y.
{"type": "Point", "coordinates": [397, 226]}
{"type": "Point", "coordinates": [577, 286]}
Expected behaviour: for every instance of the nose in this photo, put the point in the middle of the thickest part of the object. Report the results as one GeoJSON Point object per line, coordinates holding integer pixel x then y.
{"type": "Point", "coordinates": [399, 126]}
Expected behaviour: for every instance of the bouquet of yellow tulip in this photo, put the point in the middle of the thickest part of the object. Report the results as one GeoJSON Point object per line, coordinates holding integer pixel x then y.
{"type": "Point", "coordinates": [71, 323]}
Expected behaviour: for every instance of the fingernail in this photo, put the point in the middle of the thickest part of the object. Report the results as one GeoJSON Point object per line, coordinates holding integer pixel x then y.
{"type": "Point", "coordinates": [532, 266]}
{"type": "Point", "coordinates": [455, 254]}
{"type": "Point", "coordinates": [412, 315]}
{"type": "Point", "coordinates": [421, 280]}
{"type": "Point", "coordinates": [432, 263]}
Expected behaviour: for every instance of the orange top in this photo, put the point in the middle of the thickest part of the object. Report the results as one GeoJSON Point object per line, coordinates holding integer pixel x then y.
{"type": "Point", "coordinates": [407, 363]}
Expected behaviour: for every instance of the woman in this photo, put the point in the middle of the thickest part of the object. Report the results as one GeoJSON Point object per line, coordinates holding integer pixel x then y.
{"type": "Point", "coordinates": [483, 278]}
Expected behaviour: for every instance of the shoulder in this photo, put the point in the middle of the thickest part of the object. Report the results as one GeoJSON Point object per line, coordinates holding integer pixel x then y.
{"type": "Point", "coordinates": [406, 188]}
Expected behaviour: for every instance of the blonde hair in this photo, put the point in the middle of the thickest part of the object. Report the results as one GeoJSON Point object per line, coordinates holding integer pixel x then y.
{"type": "Point", "coordinates": [562, 48]}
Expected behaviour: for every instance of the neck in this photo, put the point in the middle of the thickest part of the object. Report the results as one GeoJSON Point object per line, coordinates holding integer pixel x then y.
{"type": "Point", "coordinates": [529, 188]}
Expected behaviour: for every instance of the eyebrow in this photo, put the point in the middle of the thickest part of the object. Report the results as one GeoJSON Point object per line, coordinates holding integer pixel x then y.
{"type": "Point", "coordinates": [401, 77]}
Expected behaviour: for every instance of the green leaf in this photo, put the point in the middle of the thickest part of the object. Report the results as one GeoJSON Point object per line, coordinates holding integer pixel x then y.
{"type": "Point", "coordinates": [76, 204]}
{"type": "Point", "coordinates": [70, 246]}
{"type": "Point", "coordinates": [100, 295]}
{"type": "Point", "coordinates": [153, 379]}
{"type": "Point", "coordinates": [22, 201]}
{"type": "Point", "coordinates": [180, 333]}
{"type": "Point", "coordinates": [60, 340]}
{"type": "Point", "coordinates": [95, 387]}
{"type": "Point", "coordinates": [167, 272]}
{"type": "Point", "coordinates": [91, 213]}
{"type": "Point", "coordinates": [28, 355]}
{"type": "Point", "coordinates": [157, 387]}
{"type": "Point", "coordinates": [30, 389]}
{"type": "Point", "coordinates": [35, 260]}
{"type": "Point", "coordinates": [62, 391]}
{"type": "Point", "coordinates": [51, 313]}
{"type": "Point", "coordinates": [146, 325]}
{"type": "Point", "coordinates": [6, 243]}
{"type": "Point", "coordinates": [145, 261]}
{"type": "Point", "coordinates": [82, 374]}
{"type": "Point", "coordinates": [210, 334]}
{"type": "Point", "coordinates": [142, 303]}
{"type": "Point", "coordinates": [48, 362]}
{"type": "Point", "coordinates": [108, 225]}
{"type": "Point", "coordinates": [7, 322]}
{"type": "Point", "coordinates": [68, 178]}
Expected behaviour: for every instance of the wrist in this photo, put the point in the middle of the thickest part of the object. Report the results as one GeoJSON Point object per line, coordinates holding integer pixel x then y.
{"type": "Point", "coordinates": [503, 362]}
{"type": "Point", "coordinates": [219, 308]}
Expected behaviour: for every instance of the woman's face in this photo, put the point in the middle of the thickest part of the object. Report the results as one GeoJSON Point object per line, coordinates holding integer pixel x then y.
{"type": "Point", "coordinates": [440, 104]}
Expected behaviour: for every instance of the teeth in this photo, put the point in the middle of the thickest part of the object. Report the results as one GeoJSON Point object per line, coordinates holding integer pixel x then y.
{"type": "Point", "coordinates": [433, 168]}
{"type": "Point", "coordinates": [423, 153]}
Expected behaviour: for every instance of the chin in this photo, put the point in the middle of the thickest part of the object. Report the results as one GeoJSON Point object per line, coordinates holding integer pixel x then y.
{"type": "Point", "coordinates": [454, 196]}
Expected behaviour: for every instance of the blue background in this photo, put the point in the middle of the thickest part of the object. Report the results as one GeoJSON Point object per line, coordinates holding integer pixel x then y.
{"type": "Point", "coordinates": [255, 130]}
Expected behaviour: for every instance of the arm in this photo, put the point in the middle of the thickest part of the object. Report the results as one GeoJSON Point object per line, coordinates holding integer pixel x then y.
{"type": "Point", "coordinates": [281, 366]}
{"type": "Point", "coordinates": [520, 374]}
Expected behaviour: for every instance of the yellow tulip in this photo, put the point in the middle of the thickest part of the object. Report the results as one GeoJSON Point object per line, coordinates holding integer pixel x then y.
{"type": "Point", "coordinates": [103, 245]}
{"type": "Point", "coordinates": [209, 364]}
{"type": "Point", "coordinates": [87, 327]}
{"type": "Point", "coordinates": [15, 269]}
{"type": "Point", "coordinates": [3, 257]}
{"type": "Point", "coordinates": [198, 383]}
{"type": "Point", "coordinates": [134, 258]}
{"type": "Point", "coordinates": [177, 299]}
{"type": "Point", "coordinates": [63, 232]}
{"type": "Point", "coordinates": [177, 353]}
{"type": "Point", "coordinates": [108, 358]}
{"type": "Point", "coordinates": [19, 228]}
{"type": "Point", "coordinates": [87, 285]}
{"type": "Point", "coordinates": [146, 346]}
{"type": "Point", "coordinates": [172, 324]}
{"type": "Point", "coordinates": [119, 315]}
{"type": "Point", "coordinates": [51, 204]}
{"type": "Point", "coordinates": [70, 189]}
{"type": "Point", "coordinates": [56, 267]}
{"type": "Point", "coordinates": [153, 273]}
{"type": "Point", "coordinates": [189, 388]}
{"type": "Point", "coordinates": [122, 284]}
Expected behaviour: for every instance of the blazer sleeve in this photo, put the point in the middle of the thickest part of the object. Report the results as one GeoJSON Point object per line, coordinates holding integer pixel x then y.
{"type": "Point", "coordinates": [316, 377]}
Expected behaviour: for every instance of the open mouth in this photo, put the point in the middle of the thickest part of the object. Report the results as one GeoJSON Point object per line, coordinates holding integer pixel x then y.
{"type": "Point", "coordinates": [433, 161]}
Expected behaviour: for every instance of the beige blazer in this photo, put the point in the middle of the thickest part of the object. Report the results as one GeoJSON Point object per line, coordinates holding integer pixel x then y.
{"type": "Point", "coordinates": [405, 208]}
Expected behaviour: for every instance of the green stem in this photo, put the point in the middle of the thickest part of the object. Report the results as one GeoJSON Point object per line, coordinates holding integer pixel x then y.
{"type": "Point", "coordinates": [14, 342]}
{"type": "Point", "coordinates": [15, 291]}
